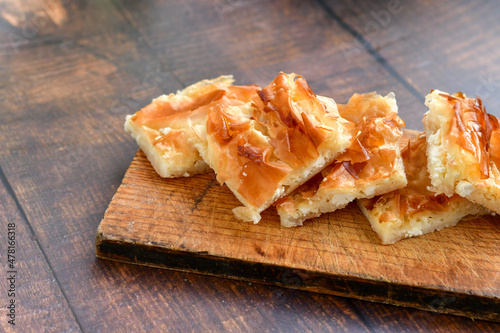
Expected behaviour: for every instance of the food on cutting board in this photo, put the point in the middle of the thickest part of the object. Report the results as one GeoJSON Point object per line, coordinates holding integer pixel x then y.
{"type": "Point", "coordinates": [266, 148]}
{"type": "Point", "coordinates": [372, 164]}
{"type": "Point", "coordinates": [163, 128]}
{"type": "Point", "coordinates": [463, 148]}
{"type": "Point", "coordinates": [415, 210]}
{"type": "Point", "coordinates": [287, 146]}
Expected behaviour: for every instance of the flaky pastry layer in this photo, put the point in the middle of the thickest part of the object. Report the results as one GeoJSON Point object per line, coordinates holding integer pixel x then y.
{"type": "Point", "coordinates": [372, 164]}
{"type": "Point", "coordinates": [264, 149]}
{"type": "Point", "coordinates": [463, 148]}
{"type": "Point", "coordinates": [415, 210]}
{"type": "Point", "coordinates": [163, 129]}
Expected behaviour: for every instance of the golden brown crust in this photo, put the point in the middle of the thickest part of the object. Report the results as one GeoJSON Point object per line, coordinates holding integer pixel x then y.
{"type": "Point", "coordinates": [163, 129]}
{"type": "Point", "coordinates": [163, 113]}
{"type": "Point", "coordinates": [414, 210]}
{"type": "Point", "coordinates": [244, 155]}
{"type": "Point", "coordinates": [463, 148]}
{"type": "Point", "coordinates": [293, 134]}
{"type": "Point", "coordinates": [267, 148]}
{"type": "Point", "coordinates": [495, 148]}
{"type": "Point", "coordinates": [471, 128]}
{"type": "Point", "coordinates": [173, 113]}
{"type": "Point", "coordinates": [371, 165]}
{"type": "Point", "coordinates": [372, 154]}
{"type": "Point", "coordinates": [415, 197]}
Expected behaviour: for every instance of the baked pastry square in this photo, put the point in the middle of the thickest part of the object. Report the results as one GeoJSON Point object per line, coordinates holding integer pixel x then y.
{"type": "Point", "coordinates": [463, 148]}
{"type": "Point", "coordinates": [415, 210]}
{"type": "Point", "coordinates": [372, 164]}
{"type": "Point", "coordinates": [163, 129]}
{"type": "Point", "coordinates": [265, 149]}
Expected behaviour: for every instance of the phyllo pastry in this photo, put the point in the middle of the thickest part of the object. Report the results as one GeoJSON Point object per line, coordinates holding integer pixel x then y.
{"type": "Point", "coordinates": [265, 149]}
{"type": "Point", "coordinates": [372, 164]}
{"type": "Point", "coordinates": [415, 210]}
{"type": "Point", "coordinates": [163, 129]}
{"type": "Point", "coordinates": [463, 148]}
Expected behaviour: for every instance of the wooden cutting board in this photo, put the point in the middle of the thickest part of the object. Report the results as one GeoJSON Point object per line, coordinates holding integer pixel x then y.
{"type": "Point", "coordinates": [187, 224]}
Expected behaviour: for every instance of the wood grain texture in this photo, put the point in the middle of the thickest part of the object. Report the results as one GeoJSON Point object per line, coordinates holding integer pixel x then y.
{"type": "Point", "coordinates": [37, 294]}
{"type": "Point", "coordinates": [65, 153]}
{"type": "Point", "coordinates": [187, 224]}
{"type": "Point", "coordinates": [450, 47]}
{"type": "Point", "coordinates": [71, 71]}
{"type": "Point", "coordinates": [256, 40]}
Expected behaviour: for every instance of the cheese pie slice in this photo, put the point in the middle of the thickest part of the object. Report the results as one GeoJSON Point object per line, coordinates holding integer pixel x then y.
{"type": "Point", "coordinates": [263, 150]}
{"type": "Point", "coordinates": [372, 164]}
{"type": "Point", "coordinates": [163, 129]}
{"type": "Point", "coordinates": [415, 210]}
{"type": "Point", "coordinates": [463, 148]}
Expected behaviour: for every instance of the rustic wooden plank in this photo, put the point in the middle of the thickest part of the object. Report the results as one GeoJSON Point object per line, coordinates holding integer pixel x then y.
{"type": "Point", "coordinates": [32, 286]}
{"type": "Point", "coordinates": [67, 86]}
{"type": "Point", "coordinates": [187, 224]}
{"type": "Point", "coordinates": [452, 47]}
{"type": "Point", "coordinates": [65, 153]}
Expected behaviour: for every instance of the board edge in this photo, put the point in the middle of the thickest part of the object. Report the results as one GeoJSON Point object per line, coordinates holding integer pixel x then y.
{"type": "Point", "coordinates": [428, 299]}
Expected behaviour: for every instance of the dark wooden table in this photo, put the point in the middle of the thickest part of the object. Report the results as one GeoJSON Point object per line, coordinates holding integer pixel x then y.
{"type": "Point", "coordinates": [71, 70]}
